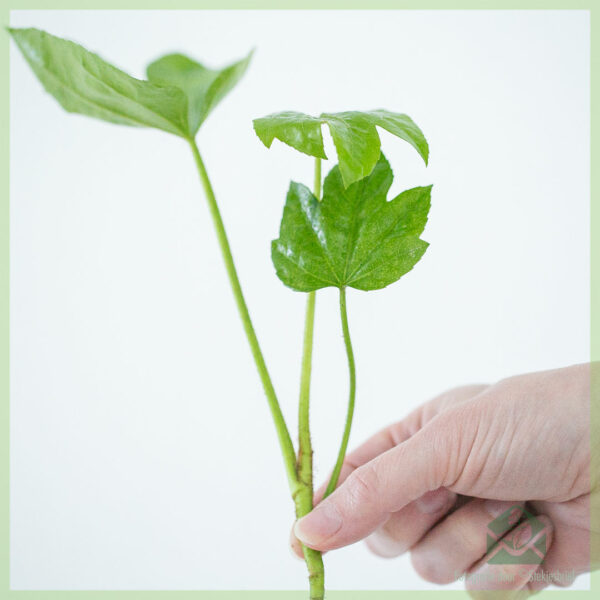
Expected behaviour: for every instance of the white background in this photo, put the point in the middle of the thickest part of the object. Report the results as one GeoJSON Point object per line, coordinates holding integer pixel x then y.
{"type": "Point", "coordinates": [143, 455]}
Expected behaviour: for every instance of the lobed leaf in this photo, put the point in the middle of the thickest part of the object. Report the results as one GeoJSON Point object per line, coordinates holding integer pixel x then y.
{"type": "Point", "coordinates": [204, 87]}
{"type": "Point", "coordinates": [354, 236]}
{"type": "Point", "coordinates": [84, 83]}
{"type": "Point", "coordinates": [354, 134]}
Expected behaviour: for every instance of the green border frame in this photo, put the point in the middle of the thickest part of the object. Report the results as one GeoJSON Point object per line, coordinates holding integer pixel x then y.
{"type": "Point", "coordinates": [7, 5]}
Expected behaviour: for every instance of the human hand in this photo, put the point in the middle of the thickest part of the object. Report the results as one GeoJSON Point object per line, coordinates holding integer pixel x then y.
{"type": "Point", "coordinates": [433, 482]}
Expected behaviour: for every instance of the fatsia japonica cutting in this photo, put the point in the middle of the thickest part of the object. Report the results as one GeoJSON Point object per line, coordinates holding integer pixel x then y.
{"type": "Point", "coordinates": [344, 233]}
{"type": "Point", "coordinates": [352, 236]}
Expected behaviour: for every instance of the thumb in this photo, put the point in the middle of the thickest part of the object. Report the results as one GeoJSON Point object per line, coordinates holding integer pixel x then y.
{"type": "Point", "coordinates": [430, 459]}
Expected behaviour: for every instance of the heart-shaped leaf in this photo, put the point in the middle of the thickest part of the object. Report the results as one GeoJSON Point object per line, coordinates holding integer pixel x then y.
{"type": "Point", "coordinates": [204, 87]}
{"type": "Point", "coordinates": [354, 134]}
{"type": "Point", "coordinates": [354, 236]}
{"type": "Point", "coordinates": [84, 83]}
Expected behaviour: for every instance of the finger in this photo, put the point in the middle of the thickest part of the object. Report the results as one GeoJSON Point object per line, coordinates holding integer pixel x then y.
{"type": "Point", "coordinates": [406, 527]}
{"type": "Point", "coordinates": [424, 462]}
{"type": "Point", "coordinates": [399, 432]}
{"type": "Point", "coordinates": [377, 444]}
{"type": "Point", "coordinates": [402, 529]}
{"type": "Point", "coordinates": [461, 539]}
{"type": "Point", "coordinates": [510, 580]}
{"type": "Point", "coordinates": [571, 557]}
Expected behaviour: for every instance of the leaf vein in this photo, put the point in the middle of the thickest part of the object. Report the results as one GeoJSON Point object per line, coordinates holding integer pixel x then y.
{"type": "Point", "coordinates": [317, 277]}
{"type": "Point", "coordinates": [96, 104]}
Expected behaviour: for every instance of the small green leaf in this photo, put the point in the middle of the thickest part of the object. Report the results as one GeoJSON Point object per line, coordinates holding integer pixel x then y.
{"type": "Point", "coordinates": [295, 129]}
{"type": "Point", "coordinates": [204, 87]}
{"type": "Point", "coordinates": [354, 134]}
{"type": "Point", "coordinates": [356, 142]}
{"type": "Point", "coordinates": [84, 83]}
{"type": "Point", "coordinates": [354, 237]}
{"type": "Point", "coordinates": [404, 127]}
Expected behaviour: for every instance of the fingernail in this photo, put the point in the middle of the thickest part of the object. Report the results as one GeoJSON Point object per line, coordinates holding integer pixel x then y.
{"type": "Point", "coordinates": [294, 546]}
{"type": "Point", "coordinates": [294, 553]}
{"type": "Point", "coordinates": [434, 501]}
{"type": "Point", "coordinates": [318, 525]}
{"type": "Point", "coordinates": [486, 577]}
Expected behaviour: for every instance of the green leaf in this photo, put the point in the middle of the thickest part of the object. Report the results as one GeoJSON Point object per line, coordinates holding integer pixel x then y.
{"type": "Point", "coordinates": [404, 127]}
{"type": "Point", "coordinates": [84, 83]}
{"type": "Point", "coordinates": [297, 130]}
{"type": "Point", "coordinates": [354, 237]}
{"type": "Point", "coordinates": [356, 142]}
{"type": "Point", "coordinates": [354, 134]}
{"type": "Point", "coordinates": [204, 87]}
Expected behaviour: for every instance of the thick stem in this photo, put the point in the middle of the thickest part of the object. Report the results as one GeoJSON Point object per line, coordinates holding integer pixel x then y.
{"type": "Point", "coordinates": [313, 558]}
{"type": "Point", "coordinates": [352, 395]}
{"type": "Point", "coordinates": [304, 499]}
{"type": "Point", "coordinates": [285, 441]}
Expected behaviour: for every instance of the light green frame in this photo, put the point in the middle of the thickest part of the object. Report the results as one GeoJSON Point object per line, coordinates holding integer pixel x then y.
{"type": "Point", "coordinates": [8, 5]}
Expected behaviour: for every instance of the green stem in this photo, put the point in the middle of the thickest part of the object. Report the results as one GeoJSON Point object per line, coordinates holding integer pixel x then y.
{"type": "Point", "coordinates": [352, 374]}
{"type": "Point", "coordinates": [317, 186]}
{"type": "Point", "coordinates": [314, 561]}
{"type": "Point", "coordinates": [305, 451]}
{"type": "Point", "coordinates": [305, 446]}
{"type": "Point", "coordinates": [304, 498]}
{"type": "Point", "coordinates": [285, 441]}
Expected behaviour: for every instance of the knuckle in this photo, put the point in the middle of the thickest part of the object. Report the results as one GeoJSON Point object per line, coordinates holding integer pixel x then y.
{"type": "Point", "coordinates": [362, 486]}
{"type": "Point", "coordinates": [459, 394]}
{"type": "Point", "coordinates": [466, 537]}
{"type": "Point", "coordinates": [455, 442]}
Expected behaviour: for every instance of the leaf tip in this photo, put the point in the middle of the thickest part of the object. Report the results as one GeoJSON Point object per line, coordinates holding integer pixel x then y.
{"type": "Point", "coordinates": [263, 135]}
{"type": "Point", "coordinates": [13, 32]}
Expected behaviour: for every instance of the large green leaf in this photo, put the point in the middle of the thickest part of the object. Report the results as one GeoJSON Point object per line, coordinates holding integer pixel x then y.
{"type": "Point", "coordinates": [204, 87]}
{"type": "Point", "coordinates": [84, 83]}
{"type": "Point", "coordinates": [354, 236]}
{"type": "Point", "coordinates": [354, 134]}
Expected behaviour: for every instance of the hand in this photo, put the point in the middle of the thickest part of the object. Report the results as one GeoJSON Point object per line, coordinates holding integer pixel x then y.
{"type": "Point", "coordinates": [433, 482]}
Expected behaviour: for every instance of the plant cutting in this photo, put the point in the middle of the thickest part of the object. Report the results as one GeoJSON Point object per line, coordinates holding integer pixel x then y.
{"type": "Point", "coordinates": [352, 236]}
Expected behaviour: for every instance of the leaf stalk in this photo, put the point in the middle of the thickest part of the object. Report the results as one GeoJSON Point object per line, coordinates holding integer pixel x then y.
{"type": "Point", "coordinates": [351, 397]}
{"type": "Point", "coordinates": [285, 441]}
